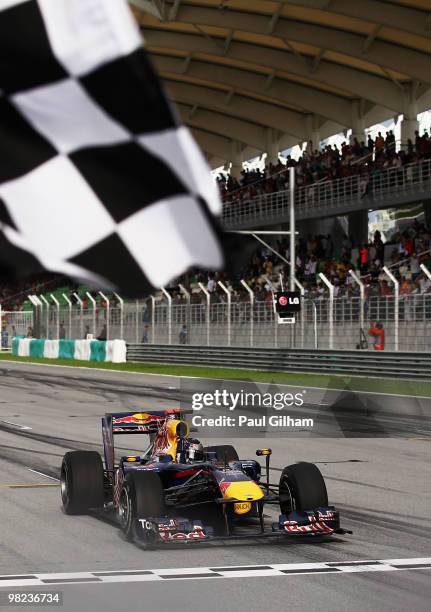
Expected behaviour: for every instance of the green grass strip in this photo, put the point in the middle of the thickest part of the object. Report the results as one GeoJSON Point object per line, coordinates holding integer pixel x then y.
{"type": "Point", "coordinates": [330, 381]}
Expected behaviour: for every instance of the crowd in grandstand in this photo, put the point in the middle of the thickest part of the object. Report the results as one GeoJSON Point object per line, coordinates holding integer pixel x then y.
{"type": "Point", "coordinates": [364, 159]}
{"type": "Point", "coordinates": [314, 254]}
{"type": "Point", "coordinates": [14, 294]}
{"type": "Point", "coordinates": [403, 254]}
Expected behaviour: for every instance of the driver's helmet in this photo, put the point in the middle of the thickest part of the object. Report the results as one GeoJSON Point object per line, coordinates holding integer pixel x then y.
{"type": "Point", "coordinates": [195, 450]}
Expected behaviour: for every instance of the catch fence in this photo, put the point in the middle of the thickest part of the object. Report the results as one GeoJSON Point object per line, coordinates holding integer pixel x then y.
{"type": "Point", "coordinates": [341, 323]}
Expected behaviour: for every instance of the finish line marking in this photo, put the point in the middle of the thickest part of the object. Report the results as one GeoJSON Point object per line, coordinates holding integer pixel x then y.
{"type": "Point", "coordinates": [192, 573]}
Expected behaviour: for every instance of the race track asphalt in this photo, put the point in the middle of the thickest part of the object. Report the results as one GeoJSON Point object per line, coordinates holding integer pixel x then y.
{"type": "Point", "coordinates": [380, 484]}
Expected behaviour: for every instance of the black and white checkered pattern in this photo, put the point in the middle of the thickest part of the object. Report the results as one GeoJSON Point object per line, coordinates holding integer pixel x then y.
{"type": "Point", "coordinates": [98, 180]}
{"type": "Point", "coordinates": [194, 573]}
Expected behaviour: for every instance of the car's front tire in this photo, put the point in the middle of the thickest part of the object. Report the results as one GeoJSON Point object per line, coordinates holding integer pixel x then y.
{"type": "Point", "coordinates": [141, 496]}
{"type": "Point", "coordinates": [302, 487]}
{"type": "Point", "coordinates": [81, 482]}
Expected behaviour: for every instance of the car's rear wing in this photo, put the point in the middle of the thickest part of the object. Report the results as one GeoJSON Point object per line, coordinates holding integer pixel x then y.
{"type": "Point", "coordinates": [147, 422]}
{"type": "Point", "coordinates": [143, 422]}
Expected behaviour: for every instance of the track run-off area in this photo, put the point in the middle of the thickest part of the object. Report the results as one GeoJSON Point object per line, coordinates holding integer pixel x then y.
{"type": "Point", "coordinates": [380, 484]}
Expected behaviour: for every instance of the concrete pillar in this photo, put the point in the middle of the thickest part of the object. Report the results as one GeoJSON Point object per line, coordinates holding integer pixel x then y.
{"type": "Point", "coordinates": [408, 129]}
{"type": "Point", "coordinates": [358, 227]}
{"type": "Point", "coordinates": [235, 171]}
{"type": "Point", "coordinates": [272, 146]}
{"type": "Point", "coordinates": [410, 121]}
{"type": "Point", "coordinates": [236, 161]}
{"type": "Point", "coordinates": [313, 131]}
{"type": "Point", "coordinates": [329, 225]}
{"type": "Point", "coordinates": [358, 121]}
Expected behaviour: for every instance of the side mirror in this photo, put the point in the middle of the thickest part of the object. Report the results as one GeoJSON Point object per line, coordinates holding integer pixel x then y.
{"type": "Point", "coordinates": [263, 452]}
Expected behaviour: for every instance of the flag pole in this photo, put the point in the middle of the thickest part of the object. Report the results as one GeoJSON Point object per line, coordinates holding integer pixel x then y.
{"type": "Point", "coordinates": [292, 228]}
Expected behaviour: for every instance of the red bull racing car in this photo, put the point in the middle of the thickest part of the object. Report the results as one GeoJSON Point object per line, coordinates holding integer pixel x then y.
{"type": "Point", "coordinates": [180, 491]}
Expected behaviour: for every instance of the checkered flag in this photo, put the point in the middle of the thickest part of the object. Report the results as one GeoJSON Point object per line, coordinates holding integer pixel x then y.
{"type": "Point", "coordinates": [98, 179]}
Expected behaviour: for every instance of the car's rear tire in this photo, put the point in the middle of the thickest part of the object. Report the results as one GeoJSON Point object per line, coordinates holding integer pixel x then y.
{"type": "Point", "coordinates": [81, 482]}
{"type": "Point", "coordinates": [302, 487]}
{"type": "Point", "coordinates": [142, 496]}
{"type": "Point", "coordinates": [224, 450]}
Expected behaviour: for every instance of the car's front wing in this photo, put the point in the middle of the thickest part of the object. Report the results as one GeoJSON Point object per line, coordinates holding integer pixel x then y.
{"type": "Point", "coordinates": [320, 522]}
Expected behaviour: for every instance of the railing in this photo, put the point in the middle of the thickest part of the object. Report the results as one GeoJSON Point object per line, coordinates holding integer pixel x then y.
{"type": "Point", "coordinates": [341, 324]}
{"type": "Point", "coordinates": [395, 365]}
{"type": "Point", "coordinates": [255, 324]}
{"type": "Point", "coordinates": [327, 196]}
{"type": "Point", "coordinates": [14, 323]}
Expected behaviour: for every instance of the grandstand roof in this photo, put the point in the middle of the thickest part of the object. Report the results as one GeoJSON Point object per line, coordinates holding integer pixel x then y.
{"type": "Point", "coordinates": [244, 71]}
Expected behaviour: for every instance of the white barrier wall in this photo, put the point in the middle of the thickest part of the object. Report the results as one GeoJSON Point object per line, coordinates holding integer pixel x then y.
{"type": "Point", "coordinates": [113, 351]}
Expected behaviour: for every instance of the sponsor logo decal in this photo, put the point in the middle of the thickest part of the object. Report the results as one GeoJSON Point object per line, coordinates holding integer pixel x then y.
{"type": "Point", "coordinates": [314, 527]}
{"type": "Point", "coordinates": [197, 534]}
{"type": "Point", "coordinates": [326, 516]}
{"type": "Point", "coordinates": [242, 507]}
{"type": "Point", "coordinates": [170, 530]}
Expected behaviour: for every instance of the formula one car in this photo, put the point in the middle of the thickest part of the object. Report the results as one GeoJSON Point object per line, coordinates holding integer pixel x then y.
{"type": "Point", "coordinates": [179, 491]}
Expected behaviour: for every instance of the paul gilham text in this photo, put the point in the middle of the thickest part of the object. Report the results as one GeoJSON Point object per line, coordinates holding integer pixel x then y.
{"type": "Point", "coordinates": [243, 421]}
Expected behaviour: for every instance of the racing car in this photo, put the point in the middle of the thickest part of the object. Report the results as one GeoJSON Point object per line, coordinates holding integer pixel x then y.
{"type": "Point", "coordinates": [180, 491]}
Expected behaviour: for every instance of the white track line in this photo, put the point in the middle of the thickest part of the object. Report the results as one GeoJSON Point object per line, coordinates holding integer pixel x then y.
{"type": "Point", "coordinates": [42, 474]}
{"type": "Point", "coordinates": [202, 573]}
{"type": "Point", "coordinates": [17, 425]}
{"type": "Point", "coordinates": [234, 380]}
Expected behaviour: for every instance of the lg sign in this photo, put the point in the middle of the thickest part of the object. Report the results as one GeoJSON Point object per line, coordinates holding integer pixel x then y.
{"type": "Point", "coordinates": [287, 302]}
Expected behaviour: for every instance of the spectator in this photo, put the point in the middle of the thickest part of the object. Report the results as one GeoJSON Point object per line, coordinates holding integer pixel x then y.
{"type": "Point", "coordinates": [61, 332]}
{"type": "Point", "coordinates": [145, 335]}
{"type": "Point", "coordinates": [379, 144]}
{"type": "Point", "coordinates": [4, 337]}
{"type": "Point", "coordinates": [183, 336]}
{"type": "Point", "coordinates": [103, 333]}
{"type": "Point", "coordinates": [379, 246]}
{"type": "Point", "coordinates": [424, 284]}
{"type": "Point", "coordinates": [146, 311]}
{"type": "Point", "coordinates": [364, 254]}
{"type": "Point", "coordinates": [414, 266]}
{"type": "Point", "coordinates": [329, 164]}
{"type": "Point", "coordinates": [378, 334]}
{"type": "Point", "coordinates": [310, 269]}
{"type": "Point", "coordinates": [405, 286]}
{"type": "Point", "coordinates": [385, 289]}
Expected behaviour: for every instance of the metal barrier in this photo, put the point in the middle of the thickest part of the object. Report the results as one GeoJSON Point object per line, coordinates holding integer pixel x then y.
{"type": "Point", "coordinates": [245, 322]}
{"type": "Point", "coordinates": [366, 363]}
{"type": "Point", "coordinates": [14, 323]}
{"type": "Point", "coordinates": [332, 197]}
{"type": "Point", "coordinates": [252, 323]}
